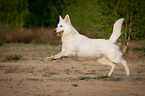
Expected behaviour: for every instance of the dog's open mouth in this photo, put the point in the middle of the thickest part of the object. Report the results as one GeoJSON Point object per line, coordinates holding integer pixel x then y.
{"type": "Point", "coordinates": [59, 34]}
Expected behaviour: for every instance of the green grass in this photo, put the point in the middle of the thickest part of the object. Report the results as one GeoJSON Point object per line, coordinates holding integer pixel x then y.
{"type": "Point", "coordinates": [142, 49]}
{"type": "Point", "coordinates": [30, 71]}
{"type": "Point", "coordinates": [13, 57]}
{"type": "Point", "coordinates": [67, 71]}
{"type": "Point", "coordinates": [105, 78]}
{"type": "Point", "coordinates": [33, 79]}
{"type": "Point", "coordinates": [11, 70]}
{"type": "Point", "coordinates": [115, 79]}
{"type": "Point", "coordinates": [42, 95]}
{"type": "Point", "coordinates": [48, 74]}
{"type": "Point", "coordinates": [5, 79]}
{"type": "Point", "coordinates": [52, 73]}
{"type": "Point", "coordinates": [89, 73]}
{"type": "Point", "coordinates": [2, 67]}
{"type": "Point", "coordinates": [74, 85]}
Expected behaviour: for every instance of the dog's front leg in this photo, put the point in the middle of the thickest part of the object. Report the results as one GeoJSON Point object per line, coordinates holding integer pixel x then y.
{"type": "Point", "coordinates": [53, 57]}
{"type": "Point", "coordinates": [63, 53]}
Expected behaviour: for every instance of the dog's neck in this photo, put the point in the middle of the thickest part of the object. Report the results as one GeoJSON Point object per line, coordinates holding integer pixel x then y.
{"type": "Point", "coordinates": [71, 33]}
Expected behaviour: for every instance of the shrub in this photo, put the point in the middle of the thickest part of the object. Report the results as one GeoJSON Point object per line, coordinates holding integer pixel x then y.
{"type": "Point", "coordinates": [13, 57]}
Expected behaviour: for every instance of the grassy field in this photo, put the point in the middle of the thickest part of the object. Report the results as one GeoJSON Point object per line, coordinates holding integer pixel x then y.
{"type": "Point", "coordinates": [24, 71]}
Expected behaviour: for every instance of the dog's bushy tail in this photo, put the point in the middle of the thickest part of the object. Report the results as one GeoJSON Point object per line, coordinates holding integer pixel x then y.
{"type": "Point", "coordinates": [116, 30]}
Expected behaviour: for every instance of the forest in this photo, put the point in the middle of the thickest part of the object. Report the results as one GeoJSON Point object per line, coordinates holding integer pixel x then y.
{"type": "Point", "coordinates": [25, 20]}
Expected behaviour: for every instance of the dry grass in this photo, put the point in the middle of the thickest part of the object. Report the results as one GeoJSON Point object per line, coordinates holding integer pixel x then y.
{"type": "Point", "coordinates": [35, 35]}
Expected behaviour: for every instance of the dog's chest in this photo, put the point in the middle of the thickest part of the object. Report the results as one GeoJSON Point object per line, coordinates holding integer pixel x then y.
{"type": "Point", "coordinates": [68, 44]}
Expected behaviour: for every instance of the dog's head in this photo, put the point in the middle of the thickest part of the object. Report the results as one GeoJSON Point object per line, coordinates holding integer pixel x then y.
{"type": "Point", "coordinates": [63, 26]}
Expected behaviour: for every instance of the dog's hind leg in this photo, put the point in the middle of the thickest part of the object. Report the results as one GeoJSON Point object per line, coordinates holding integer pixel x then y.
{"type": "Point", "coordinates": [123, 62]}
{"type": "Point", "coordinates": [112, 69]}
{"type": "Point", "coordinates": [105, 61]}
{"type": "Point", "coordinates": [118, 60]}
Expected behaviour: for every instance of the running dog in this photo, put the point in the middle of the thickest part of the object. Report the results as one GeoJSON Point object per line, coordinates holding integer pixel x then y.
{"type": "Point", "coordinates": [75, 44]}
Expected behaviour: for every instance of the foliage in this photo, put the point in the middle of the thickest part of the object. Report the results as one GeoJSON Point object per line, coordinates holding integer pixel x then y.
{"type": "Point", "coordinates": [97, 16]}
{"type": "Point", "coordinates": [29, 13]}
{"type": "Point", "coordinates": [13, 57]}
{"type": "Point", "coordinates": [100, 15]}
{"type": "Point", "coordinates": [13, 12]}
{"type": "Point", "coordinates": [42, 13]}
{"type": "Point", "coordinates": [75, 85]}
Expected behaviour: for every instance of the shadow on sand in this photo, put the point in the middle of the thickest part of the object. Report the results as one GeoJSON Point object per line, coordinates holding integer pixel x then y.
{"type": "Point", "coordinates": [115, 79]}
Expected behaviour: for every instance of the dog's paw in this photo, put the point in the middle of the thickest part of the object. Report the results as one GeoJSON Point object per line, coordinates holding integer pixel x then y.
{"type": "Point", "coordinates": [50, 58]}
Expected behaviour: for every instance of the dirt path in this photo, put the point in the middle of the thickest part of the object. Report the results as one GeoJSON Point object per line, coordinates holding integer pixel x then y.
{"type": "Point", "coordinates": [33, 76]}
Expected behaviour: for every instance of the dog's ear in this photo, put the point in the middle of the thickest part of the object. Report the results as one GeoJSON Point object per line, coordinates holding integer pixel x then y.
{"type": "Point", "coordinates": [60, 18]}
{"type": "Point", "coordinates": [67, 19]}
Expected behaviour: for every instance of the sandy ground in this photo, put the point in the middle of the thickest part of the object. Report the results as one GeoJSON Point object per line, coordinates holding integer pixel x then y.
{"type": "Point", "coordinates": [32, 75]}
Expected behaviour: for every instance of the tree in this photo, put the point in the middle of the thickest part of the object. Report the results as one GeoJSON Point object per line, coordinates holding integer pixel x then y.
{"type": "Point", "coordinates": [43, 12]}
{"type": "Point", "coordinates": [99, 16]}
{"type": "Point", "coordinates": [13, 12]}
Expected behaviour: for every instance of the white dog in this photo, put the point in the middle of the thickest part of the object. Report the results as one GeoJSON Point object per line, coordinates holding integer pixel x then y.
{"type": "Point", "coordinates": [75, 44]}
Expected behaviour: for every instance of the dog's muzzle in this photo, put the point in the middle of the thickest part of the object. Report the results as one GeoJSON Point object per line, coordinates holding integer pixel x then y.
{"type": "Point", "coordinates": [59, 34]}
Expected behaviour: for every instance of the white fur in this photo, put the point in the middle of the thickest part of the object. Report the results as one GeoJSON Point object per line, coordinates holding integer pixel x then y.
{"type": "Point", "coordinates": [75, 44]}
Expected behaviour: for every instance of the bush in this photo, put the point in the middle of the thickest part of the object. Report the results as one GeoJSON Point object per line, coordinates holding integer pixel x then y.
{"type": "Point", "coordinates": [36, 35]}
{"type": "Point", "coordinates": [13, 57]}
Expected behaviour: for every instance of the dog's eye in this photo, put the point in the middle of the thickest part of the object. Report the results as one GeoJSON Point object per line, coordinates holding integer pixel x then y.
{"type": "Point", "coordinates": [60, 25]}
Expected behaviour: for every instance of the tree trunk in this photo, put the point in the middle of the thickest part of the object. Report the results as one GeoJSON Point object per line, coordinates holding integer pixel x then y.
{"type": "Point", "coordinates": [127, 39]}
{"type": "Point", "coordinates": [130, 24]}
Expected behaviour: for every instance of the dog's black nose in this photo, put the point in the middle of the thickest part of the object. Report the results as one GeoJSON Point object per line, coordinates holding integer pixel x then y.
{"type": "Point", "coordinates": [54, 30]}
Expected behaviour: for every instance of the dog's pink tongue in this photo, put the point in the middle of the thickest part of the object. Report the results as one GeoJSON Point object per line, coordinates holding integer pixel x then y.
{"type": "Point", "coordinates": [58, 34]}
